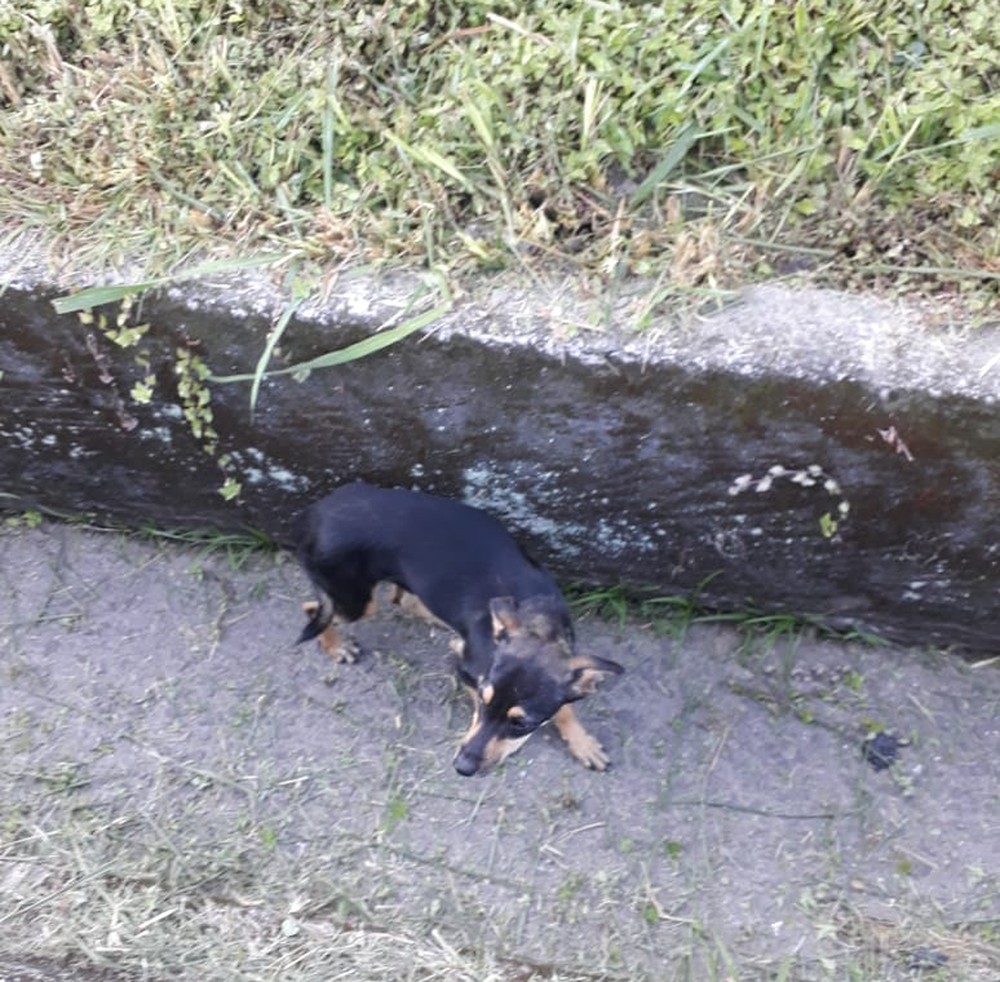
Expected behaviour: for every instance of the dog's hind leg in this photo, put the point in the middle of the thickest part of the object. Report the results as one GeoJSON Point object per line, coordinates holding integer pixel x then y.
{"type": "Point", "coordinates": [330, 637]}
{"type": "Point", "coordinates": [411, 605]}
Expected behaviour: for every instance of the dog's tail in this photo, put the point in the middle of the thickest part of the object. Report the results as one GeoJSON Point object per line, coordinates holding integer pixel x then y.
{"type": "Point", "coordinates": [320, 616]}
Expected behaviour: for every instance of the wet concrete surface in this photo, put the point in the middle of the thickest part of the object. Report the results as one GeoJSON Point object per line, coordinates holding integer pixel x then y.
{"type": "Point", "coordinates": [799, 451]}
{"type": "Point", "coordinates": [169, 751]}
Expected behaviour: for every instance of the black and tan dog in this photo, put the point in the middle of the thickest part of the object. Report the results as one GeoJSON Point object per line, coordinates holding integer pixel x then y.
{"type": "Point", "coordinates": [516, 652]}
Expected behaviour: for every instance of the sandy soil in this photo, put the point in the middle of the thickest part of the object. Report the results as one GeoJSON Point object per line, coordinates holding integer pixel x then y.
{"type": "Point", "coordinates": [184, 793]}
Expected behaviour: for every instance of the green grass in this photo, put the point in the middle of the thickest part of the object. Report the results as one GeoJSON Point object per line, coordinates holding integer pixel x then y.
{"type": "Point", "coordinates": [699, 145]}
{"type": "Point", "coordinates": [673, 616]}
{"type": "Point", "coordinates": [237, 547]}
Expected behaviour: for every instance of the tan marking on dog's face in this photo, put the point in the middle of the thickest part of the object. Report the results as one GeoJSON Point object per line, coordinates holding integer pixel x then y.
{"type": "Point", "coordinates": [498, 750]}
{"type": "Point", "coordinates": [487, 694]}
{"type": "Point", "coordinates": [476, 716]}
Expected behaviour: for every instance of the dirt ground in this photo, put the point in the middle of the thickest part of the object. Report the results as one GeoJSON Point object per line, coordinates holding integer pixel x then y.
{"type": "Point", "coordinates": [186, 794]}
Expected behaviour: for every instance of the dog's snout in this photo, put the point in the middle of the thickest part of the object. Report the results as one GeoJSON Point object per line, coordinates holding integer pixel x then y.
{"type": "Point", "coordinates": [465, 763]}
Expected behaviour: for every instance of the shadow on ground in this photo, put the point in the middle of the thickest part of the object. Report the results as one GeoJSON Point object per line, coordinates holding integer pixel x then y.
{"type": "Point", "coordinates": [184, 793]}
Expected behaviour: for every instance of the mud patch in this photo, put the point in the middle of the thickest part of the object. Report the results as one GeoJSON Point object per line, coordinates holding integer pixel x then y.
{"type": "Point", "coordinates": [184, 791]}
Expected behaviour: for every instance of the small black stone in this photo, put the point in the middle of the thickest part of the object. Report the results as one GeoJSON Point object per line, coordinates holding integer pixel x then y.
{"type": "Point", "coordinates": [922, 959]}
{"type": "Point", "coordinates": [881, 750]}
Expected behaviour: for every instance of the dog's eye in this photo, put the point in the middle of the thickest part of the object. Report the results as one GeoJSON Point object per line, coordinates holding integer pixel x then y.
{"type": "Point", "coordinates": [519, 726]}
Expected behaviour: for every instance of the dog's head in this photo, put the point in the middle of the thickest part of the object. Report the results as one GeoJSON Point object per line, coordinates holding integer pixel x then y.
{"type": "Point", "coordinates": [534, 672]}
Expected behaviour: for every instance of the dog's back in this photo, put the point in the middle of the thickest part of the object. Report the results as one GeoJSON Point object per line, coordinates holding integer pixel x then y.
{"type": "Point", "coordinates": [455, 558]}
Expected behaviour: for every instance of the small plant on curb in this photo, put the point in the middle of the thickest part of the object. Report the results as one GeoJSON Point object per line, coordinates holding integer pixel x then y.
{"type": "Point", "coordinates": [26, 519]}
{"type": "Point", "coordinates": [196, 403]}
{"type": "Point", "coordinates": [193, 392]}
{"type": "Point", "coordinates": [126, 335]}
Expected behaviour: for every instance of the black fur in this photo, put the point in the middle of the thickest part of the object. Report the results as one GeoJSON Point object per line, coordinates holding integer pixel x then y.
{"type": "Point", "coordinates": [467, 570]}
{"type": "Point", "coordinates": [455, 558]}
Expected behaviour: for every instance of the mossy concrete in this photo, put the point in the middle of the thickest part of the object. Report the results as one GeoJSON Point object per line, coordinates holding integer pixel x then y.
{"type": "Point", "coordinates": [799, 451]}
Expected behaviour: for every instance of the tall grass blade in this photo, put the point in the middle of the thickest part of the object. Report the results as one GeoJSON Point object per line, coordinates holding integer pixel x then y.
{"type": "Point", "coordinates": [677, 152]}
{"type": "Point", "coordinates": [97, 296]}
{"type": "Point", "coordinates": [265, 355]}
{"type": "Point", "coordinates": [332, 78]}
{"type": "Point", "coordinates": [430, 158]}
{"type": "Point", "coordinates": [704, 63]}
{"type": "Point", "coordinates": [360, 349]}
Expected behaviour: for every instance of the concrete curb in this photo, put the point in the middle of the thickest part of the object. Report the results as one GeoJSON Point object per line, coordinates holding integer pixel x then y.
{"type": "Point", "coordinates": [801, 451]}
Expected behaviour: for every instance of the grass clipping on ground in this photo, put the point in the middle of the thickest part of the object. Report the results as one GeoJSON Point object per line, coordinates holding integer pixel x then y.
{"type": "Point", "coordinates": [703, 143]}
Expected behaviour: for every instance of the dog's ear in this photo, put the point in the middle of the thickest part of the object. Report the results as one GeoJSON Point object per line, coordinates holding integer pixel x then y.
{"type": "Point", "coordinates": [503, 611]}
{"type": "Point", "coordinates": [586, 671]}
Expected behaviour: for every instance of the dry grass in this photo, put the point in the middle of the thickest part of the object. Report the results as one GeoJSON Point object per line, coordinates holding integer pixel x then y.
{"type": "Point", "coordinates": [131, 898]}
{"type": "Point", "coordinates": [144, 894]}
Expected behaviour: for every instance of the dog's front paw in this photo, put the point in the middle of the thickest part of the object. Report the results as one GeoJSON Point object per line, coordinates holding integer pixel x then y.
{"type": "Point", "coordinates": [581, 744]}
{"type": "Point", "coordinates": [589, 752]}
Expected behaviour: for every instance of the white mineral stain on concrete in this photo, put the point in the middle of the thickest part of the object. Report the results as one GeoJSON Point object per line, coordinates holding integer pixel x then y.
{"type": "Point", "coordinates": [254, 467]}
{"type": "Point", "coordinates": [492, 487]}
{"type": "Point", "coordinates": [160, 434]}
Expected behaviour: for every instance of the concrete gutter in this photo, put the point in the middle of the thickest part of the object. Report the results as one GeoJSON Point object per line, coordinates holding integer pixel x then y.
{"type": "Point", "coordinates": [800, 451]}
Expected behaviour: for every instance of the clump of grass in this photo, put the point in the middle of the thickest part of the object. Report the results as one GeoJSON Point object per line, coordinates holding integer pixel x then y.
{"type": "Point", "coordinates": [238, 547]}
{"type": "Point", "coordinates": [701, 143]}
{"type": "Point", "coordinates": [674, 615]}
